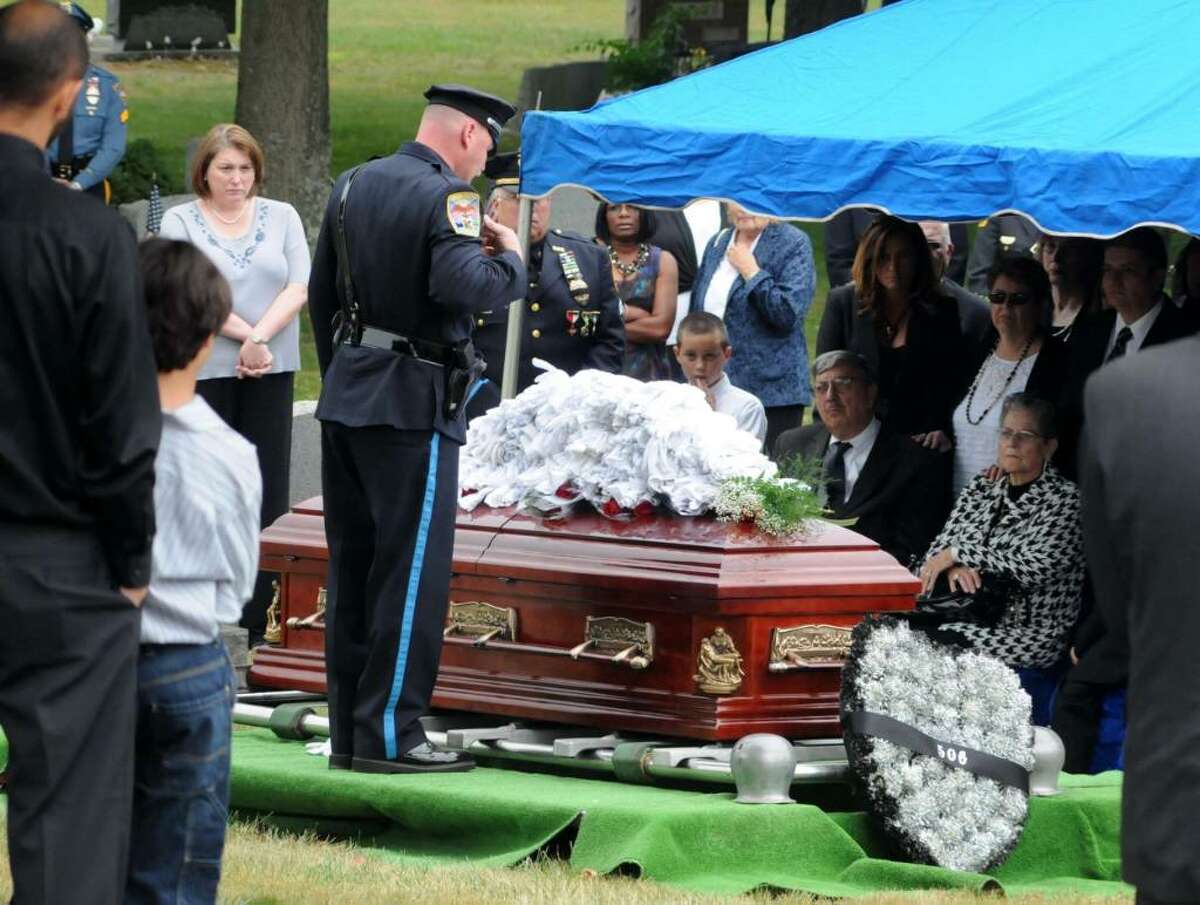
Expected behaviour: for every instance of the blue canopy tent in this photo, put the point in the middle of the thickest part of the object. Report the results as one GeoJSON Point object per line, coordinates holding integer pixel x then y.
{"type": "Point", "coordinates": [1080, 114]}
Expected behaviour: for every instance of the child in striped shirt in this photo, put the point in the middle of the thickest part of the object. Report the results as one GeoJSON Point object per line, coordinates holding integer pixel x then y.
{"type": "Point", "coordinates": [203, 565]}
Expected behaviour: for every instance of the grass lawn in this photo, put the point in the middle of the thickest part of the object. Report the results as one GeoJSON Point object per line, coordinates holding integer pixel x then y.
{"type": "Point", "coordinates": [381, 57]}
{"type": "Point", "coordinates": [264, 867]}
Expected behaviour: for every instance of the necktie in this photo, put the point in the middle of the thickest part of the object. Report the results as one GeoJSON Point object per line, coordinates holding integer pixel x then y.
{"type": "Point", "coordinates": [834, 471]}
{"type": "Point", "coordinates": [1119, 346]}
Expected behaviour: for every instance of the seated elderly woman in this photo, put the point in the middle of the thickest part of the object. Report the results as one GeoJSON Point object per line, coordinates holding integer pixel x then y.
{"type": "Point", "coordinates": [1024, 530]}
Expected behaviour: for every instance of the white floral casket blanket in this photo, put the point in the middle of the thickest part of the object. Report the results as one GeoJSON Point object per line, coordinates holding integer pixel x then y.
{"type": "Point", "coordinates": [613, 441]}
{"type": "Point", "coordinates": [940, 745]}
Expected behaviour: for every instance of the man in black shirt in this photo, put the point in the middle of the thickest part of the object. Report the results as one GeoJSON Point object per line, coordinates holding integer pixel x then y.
{"type": "Point", "coordinates": [81, 424]}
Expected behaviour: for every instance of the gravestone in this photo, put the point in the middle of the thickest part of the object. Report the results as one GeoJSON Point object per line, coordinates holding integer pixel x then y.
{"type": "Point", "coordinates": [171, 25]}
{"type": "Point", "coordinates": [709, 21]}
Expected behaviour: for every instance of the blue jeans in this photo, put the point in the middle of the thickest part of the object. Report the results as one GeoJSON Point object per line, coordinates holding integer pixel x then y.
{"type": "Point", "coordinates": [181, 793]}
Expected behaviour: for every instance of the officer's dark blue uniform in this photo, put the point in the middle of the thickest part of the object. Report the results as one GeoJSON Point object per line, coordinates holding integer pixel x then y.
{"type": "Point", "coordinates": [93, 141]}
{"type": "Point", "coordinates": [389, 441]}
{"type": "Point", "coordinates": [1006, 234]}
{"type": "Point", "coordinates": [572, 312]}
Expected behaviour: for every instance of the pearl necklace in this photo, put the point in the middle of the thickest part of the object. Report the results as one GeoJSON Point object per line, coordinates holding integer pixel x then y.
{"type": "Point", "coordinates": [1000, 395]}
{"type": "Point", "coordinates": [643, 255]}
{"type": "Point", "coordinates": [211, 208]}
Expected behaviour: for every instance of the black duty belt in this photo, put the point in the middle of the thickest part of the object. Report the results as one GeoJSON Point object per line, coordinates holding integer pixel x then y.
{"type": "Point", "coordinates": [69, 169]}
{"type": "Point", "coordinates": [424, 349]}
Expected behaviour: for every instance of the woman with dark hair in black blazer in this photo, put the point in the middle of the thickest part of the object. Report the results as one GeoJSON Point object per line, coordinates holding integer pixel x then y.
{"type": "Point", "coordinates": [647, 281]}
{"type": "Point", "coordinates": [1073, 264]}
{"type": "Point", "coordinates": [894, 315]}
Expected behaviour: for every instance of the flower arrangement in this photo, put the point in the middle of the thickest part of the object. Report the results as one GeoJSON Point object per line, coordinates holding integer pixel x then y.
{"type": "Point", "coordinates": [778, 505]}
{"type": "Point", "coordinates": [937, 811]}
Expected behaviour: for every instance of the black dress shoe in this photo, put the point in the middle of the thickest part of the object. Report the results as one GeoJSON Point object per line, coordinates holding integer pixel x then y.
{"type": "Point", "coordinates": [424, 758]}
{"type": "Point", "coordinates": [340, 761]}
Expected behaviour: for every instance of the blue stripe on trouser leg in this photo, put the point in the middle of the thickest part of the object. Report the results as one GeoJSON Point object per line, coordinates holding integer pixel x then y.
{"type": "Point", "coordinates": [410, 600]}
{"type": "Point", "coordinates": [479, 385]}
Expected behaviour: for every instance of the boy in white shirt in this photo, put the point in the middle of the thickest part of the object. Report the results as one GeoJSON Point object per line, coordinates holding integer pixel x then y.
{"type": "Point", "coordinates": [702, 348]}
{"type": "Point", "coordinates": [204, 561]}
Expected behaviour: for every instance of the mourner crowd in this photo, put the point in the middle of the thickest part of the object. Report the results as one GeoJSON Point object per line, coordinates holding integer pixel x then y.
{"type": "Point", "coordinates": [946, 420]}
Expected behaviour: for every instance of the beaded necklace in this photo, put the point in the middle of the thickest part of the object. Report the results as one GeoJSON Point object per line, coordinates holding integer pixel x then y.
{"type": "Point", "coordinates": [1007, 381]}
{"type": "Point", "coordinates": [643, 255]}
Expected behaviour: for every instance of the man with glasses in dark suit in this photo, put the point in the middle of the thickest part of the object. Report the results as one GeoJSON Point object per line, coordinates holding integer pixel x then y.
{"type": "Point", "coordinates": [895, 488]}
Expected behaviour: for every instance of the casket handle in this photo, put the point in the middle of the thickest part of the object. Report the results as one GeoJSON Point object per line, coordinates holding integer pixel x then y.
{"type": "Point", "coordinates": [609, 639]}
{"type": "Point", "coordinates": [809, 647]}
{"type": "Point", "coordinates": [314, 621]}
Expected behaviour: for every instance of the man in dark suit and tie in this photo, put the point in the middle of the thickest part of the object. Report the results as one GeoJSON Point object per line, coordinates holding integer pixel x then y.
{"type": "Point", "coordinates": [894, 487]}
{"type": "Point", "coordinates": [1141, 530]}
{"type": "Point", "coordinates": [1139, 316]}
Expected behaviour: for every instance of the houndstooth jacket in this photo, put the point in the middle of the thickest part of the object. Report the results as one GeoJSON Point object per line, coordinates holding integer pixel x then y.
{"type": "Point", "coordinates": [1037, 542]}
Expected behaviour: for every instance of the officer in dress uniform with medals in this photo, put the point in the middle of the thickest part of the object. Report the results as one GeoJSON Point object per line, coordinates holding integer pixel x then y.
{"type": "Point", "coordinates": [92, 142]}
{"type": "Point", "coordinates": [398, 275]}
{"type": "Point", "coordinates": [572, 312]}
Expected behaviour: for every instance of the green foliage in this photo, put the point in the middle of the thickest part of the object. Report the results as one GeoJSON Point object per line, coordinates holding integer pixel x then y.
{"type": "Point", "coordinates": [779, 505]}
{"type": "Point", "coordinates": [659, 57]}
{"type": "Point", "coordinates": [136, 172]}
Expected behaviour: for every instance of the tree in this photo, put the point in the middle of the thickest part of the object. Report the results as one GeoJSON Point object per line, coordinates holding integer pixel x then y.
{"type": "Point", "coordinates": [283, 99]}
{"type": "Point", "coordinates": [804, 16]}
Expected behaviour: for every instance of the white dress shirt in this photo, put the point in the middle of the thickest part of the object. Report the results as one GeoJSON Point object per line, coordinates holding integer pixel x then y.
{"type": "Point", "coordinates": [856, 456]}
{"type": "Point", "coordinates": [1139, 328]}
{"type": "Point", "coordinates": [745, 408]}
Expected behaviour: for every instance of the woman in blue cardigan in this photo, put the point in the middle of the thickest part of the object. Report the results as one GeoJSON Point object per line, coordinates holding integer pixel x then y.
{"type": "Point", "coordinates": [759, 278]}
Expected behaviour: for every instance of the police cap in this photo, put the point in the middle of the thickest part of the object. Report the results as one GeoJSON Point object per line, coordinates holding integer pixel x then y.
{"type": "Point", "coordinates": [504, 170]}
{"type": "Point", "coordinates": [79, 14]}
{"type": "Point", "coordinates": [490, 111]}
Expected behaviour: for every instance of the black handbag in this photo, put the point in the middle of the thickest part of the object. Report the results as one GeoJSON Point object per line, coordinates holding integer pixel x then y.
{"type": "Point", "coordinates": [986, 606]}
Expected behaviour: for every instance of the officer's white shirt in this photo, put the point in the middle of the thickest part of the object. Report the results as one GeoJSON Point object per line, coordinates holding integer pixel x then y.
{"type": "Point", "coordinates": [1139, 328]}
{"type": "Point", "coordinates": [745, 408]}
{"type": "Point", "coordinates": [856, 456]}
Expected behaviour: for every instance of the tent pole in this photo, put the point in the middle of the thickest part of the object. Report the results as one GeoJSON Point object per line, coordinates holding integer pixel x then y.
{"type": "Point", "coordinates": [516, 311]}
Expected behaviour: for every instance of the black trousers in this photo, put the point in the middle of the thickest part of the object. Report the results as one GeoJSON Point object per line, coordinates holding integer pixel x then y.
{"type": "Point", "coordinates": [260, 409]}
{"type": "Point", "coordinates": [1078, 708]}
{"type": "Point", "coordinates": [68, 705]}
{"type": "Point", "coordinates": [779, 419]}
{"type": "Point", "coordinates": [390, 502]}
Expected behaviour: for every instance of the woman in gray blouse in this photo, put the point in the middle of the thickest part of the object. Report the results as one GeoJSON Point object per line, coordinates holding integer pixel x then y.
{"type": "Point", "coordinates": [259, 246]}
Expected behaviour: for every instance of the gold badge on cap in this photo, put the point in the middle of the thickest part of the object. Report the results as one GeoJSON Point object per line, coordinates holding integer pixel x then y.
{"type": "Point", "coordinates": [462, 210]}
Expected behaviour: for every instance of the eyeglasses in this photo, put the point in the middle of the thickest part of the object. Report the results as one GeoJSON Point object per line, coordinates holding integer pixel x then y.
{"type": "Point", "coordinates": [1000, 297]}
{"type": "Point", "coordinates": [834, 383]}
{"type": "Point", "coordinates": [1018, 437]}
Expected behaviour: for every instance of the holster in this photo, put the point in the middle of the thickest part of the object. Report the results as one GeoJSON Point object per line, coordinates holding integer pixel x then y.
{"type": "Point", "coordinates": [463, 369]}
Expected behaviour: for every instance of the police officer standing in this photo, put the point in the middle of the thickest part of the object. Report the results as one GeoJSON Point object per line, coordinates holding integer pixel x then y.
{"type": "Point", "coordinates": [399, 271]}
{"type": "Point", "coordinates": [572, 312]}
{"type": "Point", "coordinates": [92, 142]}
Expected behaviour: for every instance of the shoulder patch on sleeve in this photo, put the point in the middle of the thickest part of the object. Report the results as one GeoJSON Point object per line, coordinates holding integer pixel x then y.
{"type": "Point", "coordinates": [462, 210]}
{"type": "Point", "coordinates": [125, 115]}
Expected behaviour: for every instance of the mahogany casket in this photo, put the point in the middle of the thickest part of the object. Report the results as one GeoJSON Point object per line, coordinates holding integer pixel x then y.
{"type": "Point", "coordinates": [665, 625]}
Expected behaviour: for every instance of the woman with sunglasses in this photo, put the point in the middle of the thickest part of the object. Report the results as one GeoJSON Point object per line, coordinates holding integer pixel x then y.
{"type": "Point", "coordinates": [1019, 355]}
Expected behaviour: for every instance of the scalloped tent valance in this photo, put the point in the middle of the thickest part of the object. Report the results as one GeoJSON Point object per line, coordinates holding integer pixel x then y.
{"type": "Point", "coordinates": [1081, 114]}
